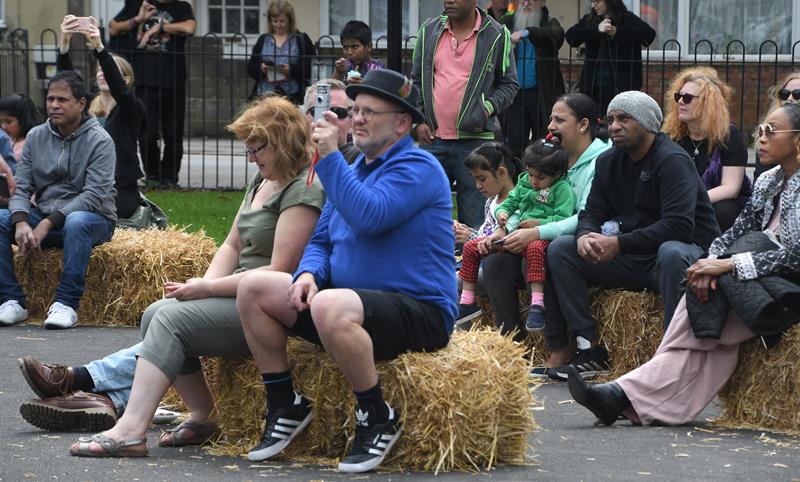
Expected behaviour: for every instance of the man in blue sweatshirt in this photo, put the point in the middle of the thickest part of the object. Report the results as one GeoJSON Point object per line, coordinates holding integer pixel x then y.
{"type": "Point", "coordinates": [377, 278]}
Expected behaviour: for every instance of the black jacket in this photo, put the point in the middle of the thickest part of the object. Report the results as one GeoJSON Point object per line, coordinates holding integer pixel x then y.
{"type": "Point", "coordinates": [548, 38]}
{"type": "Point", "coordinates": [124, 124]}
{"type": "Point", "coordinates": [656, 199]}
{"type": "Point", "coordinates": [767, 305]}
{"type": "Point", "coordinates": [299, 70]}
{"type": "Point", "coordinates": [624, 51]}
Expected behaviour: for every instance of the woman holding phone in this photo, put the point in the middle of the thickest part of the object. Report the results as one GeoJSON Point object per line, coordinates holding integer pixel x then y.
{"type": "Point", "coordinates": [281, 58]}
{"type": "Point", "coordinates": [116, 107]}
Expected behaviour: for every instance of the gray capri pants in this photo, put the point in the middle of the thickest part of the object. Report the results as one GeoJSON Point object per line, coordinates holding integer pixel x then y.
{"type": "Point", "coordinates": [176, 333]}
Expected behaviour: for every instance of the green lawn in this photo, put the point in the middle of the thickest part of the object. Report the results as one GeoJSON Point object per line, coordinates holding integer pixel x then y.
{"type": "Point", "coordinates": [212, 211]}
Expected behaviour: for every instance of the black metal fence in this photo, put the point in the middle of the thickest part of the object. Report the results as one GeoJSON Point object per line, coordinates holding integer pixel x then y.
{"type": "Point", "coordinates": [217, 84]}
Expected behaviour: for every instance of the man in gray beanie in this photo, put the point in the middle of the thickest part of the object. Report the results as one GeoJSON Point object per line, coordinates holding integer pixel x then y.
{"type": "Point", "coordinates": [647, 219]}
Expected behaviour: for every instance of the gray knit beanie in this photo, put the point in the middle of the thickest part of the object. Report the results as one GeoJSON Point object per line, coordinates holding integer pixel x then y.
{"type": "Point", "coordinates": [641, 107]}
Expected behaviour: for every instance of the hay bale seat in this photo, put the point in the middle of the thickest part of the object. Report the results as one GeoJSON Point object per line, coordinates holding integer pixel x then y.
{"type": "Point", "coordinates": [125, 275]}
{"type": "Point", "coordinates": [464, 408]}
{"type": "Point", "coordinates": [764, 391]}
{"type": "Point", "coordinates": [629, 326]}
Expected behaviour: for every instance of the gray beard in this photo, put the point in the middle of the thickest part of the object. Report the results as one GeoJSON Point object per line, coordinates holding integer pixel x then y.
{"type": "Point", "coordinates": [524, 20]}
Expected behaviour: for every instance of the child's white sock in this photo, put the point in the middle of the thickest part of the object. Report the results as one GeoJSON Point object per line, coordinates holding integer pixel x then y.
{"type": "Point", "coordinates": [467, 297]}
{"type": "Point", "coordinates": [583, 343]}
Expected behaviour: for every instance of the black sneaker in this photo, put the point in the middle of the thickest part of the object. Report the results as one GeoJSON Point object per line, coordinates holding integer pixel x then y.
{"type": "Point", "coordinates": [589, 363]}
{"type": "Point", "coordinates": [467, 313]}
{"type": "Point", "coordinates": [372, 443]}
{"type": "Point", "coordinates": [541, 373]}
{"type": "Point", "coordinates": [282, 425]}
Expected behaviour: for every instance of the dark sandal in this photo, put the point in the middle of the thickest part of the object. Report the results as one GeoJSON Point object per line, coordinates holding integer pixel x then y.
{"type": "Point", "coordinates": [110, 447]}
{"type": "Point", "coordinates": [178, 437]}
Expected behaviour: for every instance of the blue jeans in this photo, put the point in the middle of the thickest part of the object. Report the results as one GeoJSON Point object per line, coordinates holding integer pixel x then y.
{"type": "Point", "coordinates": [113, 375]}
{"type": "Point", "coordinates": [451, 153]}
{"type": "Point", "coordinates": [81, 232]}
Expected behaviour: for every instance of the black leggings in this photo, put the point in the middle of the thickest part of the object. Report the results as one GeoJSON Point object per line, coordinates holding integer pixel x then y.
{"type": "Point", "coordinates": [727, 210]}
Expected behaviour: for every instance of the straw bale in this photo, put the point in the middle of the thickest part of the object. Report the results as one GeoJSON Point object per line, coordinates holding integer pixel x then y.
{"type": "Point", "coordinates": [764, 391]}
{"type": "Point", "coordinates": [629, 326]}
{"type": "Point", "coordinates": [464, 408]}
{"type": "Point", "coordinates": [124, 276]}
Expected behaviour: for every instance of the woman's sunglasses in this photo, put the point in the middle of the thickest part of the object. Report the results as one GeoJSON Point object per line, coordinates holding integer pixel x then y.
{"type": "Point", "coordinates": [784, 94]}
{"type": "Point", "coordinates": [767, 130]}
{"type": "Point", "coordinates": [340, 112]}
{"type": "Point", "coordinates": [687, 98]}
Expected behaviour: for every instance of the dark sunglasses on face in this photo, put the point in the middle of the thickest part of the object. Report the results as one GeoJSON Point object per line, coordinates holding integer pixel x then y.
{"type": "Point", "coordinates": [784, 94]}
{"type": "Point", "coordinates": [340, 112]}
{"type": "Point", "coordinates": [687, 98]}
{"type": "Point", "coordinates": [769, 131]}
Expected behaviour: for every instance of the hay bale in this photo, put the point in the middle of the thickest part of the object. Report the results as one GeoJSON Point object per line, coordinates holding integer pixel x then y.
{"type": "Point", "coordinates": [466, 407]}
{"type": "Point", "coordinates": [629, 326]}
{"type": "Point", "coordinates": [764, 391]}
{"type": "Point", "coordinates": [124, 277]}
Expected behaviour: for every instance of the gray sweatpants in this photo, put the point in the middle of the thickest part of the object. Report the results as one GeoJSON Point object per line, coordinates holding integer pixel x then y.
{"type": "Point", "coordinates": [176, 333]}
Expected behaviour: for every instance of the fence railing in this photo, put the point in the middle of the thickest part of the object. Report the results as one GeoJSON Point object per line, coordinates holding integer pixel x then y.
{"type": "Point", "coordinates": [217, 83]}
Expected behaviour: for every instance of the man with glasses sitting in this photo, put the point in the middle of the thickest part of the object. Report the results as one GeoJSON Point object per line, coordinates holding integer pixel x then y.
{"type": "Point", "coordinates": [340, 105]}
{"type": "Point", "coordinates": [351, 293]}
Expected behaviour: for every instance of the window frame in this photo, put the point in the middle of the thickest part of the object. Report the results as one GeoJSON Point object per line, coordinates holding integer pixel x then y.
{"type": "Point", "coordinates": [686, 54]}
{"type": "Point", "coordinates": [206, 12]}
{"type": "Point", "coordinates": [2, 13]}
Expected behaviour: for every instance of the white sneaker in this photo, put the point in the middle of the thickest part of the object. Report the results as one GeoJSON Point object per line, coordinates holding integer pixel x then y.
{"type": "Point", "coordinates": [11, 313]}
{"type": "Point", "coordinates": [60, 316]}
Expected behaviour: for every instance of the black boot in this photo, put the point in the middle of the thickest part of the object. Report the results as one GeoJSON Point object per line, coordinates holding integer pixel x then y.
{"type": "Point", "coordinates": [605, 400]}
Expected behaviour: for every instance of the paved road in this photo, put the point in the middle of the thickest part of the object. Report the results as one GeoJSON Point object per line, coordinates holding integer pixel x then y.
{"type": "Point", "coordinates": [567, 447]}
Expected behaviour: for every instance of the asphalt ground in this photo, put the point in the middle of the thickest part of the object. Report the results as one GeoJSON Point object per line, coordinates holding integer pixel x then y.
{"type": "Point", "coordinates": [567, 446]}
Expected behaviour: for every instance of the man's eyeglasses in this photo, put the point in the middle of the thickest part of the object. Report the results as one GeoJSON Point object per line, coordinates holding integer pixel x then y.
{"type": "Point", "coordinates": [341, 112]}
{"type": "Point", "coordinates": [784, 94]}
{"type": "Point", "coordinates": [769, 131]}
{"type": "Point", "coordinates": [252, 152]}
{"type": "Point", "coordinates": [687, 98]}
{"type": "Point", "coordinates": [369, 114]}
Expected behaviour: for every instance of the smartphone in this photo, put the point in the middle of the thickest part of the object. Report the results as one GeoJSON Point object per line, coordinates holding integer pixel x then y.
{"type": "Point", "coordinates": [497, 244]}
{"type": "Point", "coordinates": [4, 192]}
{"type": "Point", "coordinates": [83, 23]}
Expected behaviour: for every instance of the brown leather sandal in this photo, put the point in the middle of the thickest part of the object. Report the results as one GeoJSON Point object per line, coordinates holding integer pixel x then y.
{"type": "Point", "coordinates": [188, 433]}
{"type": "Point", "coordinates": [109, 447]}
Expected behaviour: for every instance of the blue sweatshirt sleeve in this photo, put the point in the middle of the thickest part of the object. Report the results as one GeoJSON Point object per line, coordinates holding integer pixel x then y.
{"type": "Point", "coordinates": [317, 255]}
{"type": "Point", "coordinates": [400, 191]}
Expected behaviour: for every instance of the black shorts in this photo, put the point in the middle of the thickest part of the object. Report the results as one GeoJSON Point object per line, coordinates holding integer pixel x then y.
{"type": "Point", "coordinates": [396, 323]}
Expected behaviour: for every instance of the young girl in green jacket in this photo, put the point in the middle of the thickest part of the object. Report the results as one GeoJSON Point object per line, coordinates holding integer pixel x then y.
{"type": "Point", "coordinates": [541, 196]}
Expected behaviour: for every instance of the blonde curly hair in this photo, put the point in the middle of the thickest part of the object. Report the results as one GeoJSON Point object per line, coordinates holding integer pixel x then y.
{"type": "Point", "coordinates": [712, 106]}
{"type": "Point", "coordinates": [278, 123]}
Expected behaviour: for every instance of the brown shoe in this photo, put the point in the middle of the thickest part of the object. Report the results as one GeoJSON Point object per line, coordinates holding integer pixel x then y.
{"type": "Point", "coordinates": [74, 411]}
{"type": "Point", "coordinates": [46, 381]}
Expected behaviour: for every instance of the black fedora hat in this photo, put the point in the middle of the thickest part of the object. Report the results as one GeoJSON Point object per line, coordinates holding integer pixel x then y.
{"type": "Point", "coordinates": [392, 86]}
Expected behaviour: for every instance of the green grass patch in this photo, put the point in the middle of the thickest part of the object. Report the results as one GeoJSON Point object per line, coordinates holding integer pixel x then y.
{"type": "Point", "coordinates": [212, 211]}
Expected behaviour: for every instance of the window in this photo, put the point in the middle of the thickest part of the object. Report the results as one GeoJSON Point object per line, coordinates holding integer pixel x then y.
{"type": "Point", "coordinates": [336, 13]}
{"type": "Point", "coordinates": [2, 13]}
{"type": "Point", "coordinates": [706, 25]}
{"type": "Point", "coordinates": [234, 16]}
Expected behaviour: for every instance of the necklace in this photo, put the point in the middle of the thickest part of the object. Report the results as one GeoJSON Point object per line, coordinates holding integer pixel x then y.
{"type": "Point", "coordinates": [696, 146]}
